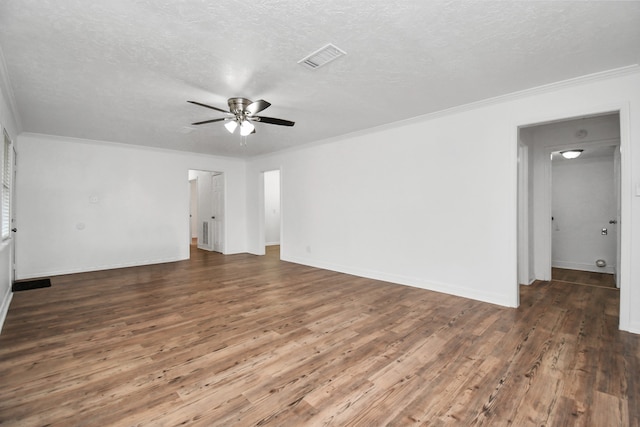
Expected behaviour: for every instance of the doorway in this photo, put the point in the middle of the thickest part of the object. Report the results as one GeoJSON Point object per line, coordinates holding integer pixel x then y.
{"type": "Point", "coordinates": [272, 216]}
{"type": "Point", "coordinates": [540, 228]}
{"type": "Point", "coordinates": [206, 210]}
{"type": "Point", "coordinates": [585, 213]}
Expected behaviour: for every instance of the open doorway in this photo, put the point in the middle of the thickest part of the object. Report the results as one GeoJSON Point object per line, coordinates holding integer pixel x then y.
{"type": "Point", "coordinates": [206, 210]}
{"type": "Point", "coordinates": [598, 136]}
{"type": "Point", "coordinates": [272, 217]}
{"type": "Point", "coordinates": [585, 210]}
{"type": "Point", "coordinates": [548, 238]}
{"type": "Point", "coordinates": [602, 139]}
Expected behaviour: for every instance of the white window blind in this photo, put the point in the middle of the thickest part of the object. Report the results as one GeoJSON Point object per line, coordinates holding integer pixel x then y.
{"type": "Point", "coordinates": [6, 187]}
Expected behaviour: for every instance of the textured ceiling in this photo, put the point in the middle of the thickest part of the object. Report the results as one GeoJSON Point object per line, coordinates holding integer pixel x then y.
{"type": "Point", "coordinates": [123, 70]}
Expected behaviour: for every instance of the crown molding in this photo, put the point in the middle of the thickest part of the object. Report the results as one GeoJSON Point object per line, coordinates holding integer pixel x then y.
{"type": "Point", "coordinates": [513, 96]}
{"type": "Point", "coordinates": [126, 146]}
{"type": "Point", "coordinates": [537, 90]}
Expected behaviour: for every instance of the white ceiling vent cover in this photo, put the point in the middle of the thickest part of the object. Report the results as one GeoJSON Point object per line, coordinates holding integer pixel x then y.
{"type": "Point", "coordinates": [322, 56]}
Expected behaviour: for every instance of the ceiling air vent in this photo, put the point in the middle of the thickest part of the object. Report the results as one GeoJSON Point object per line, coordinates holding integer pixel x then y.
{"type": "Point", "coordinates": [322, 56]}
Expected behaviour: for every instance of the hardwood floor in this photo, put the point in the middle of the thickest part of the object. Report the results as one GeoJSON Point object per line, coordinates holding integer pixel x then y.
{"type": "Point", "coordinates": [584, 277]}
{"type": "Point", "coordinates": [246, 340]}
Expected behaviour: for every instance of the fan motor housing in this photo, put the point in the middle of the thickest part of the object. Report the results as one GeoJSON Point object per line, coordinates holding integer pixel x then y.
{"type": "Point", "coordinates": [238, 105]}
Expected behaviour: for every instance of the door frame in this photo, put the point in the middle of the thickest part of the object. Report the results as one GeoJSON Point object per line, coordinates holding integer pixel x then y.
{"type": "Point", "coordinates": [617, 161]}
{"type": "Point", "coordinates": [625, 189]}
{"type": "Point", "coordinates": [524, 265]}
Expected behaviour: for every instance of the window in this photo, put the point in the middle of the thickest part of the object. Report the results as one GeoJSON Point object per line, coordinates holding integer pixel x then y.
{"type": "Point", "coordinates": [6, 187]}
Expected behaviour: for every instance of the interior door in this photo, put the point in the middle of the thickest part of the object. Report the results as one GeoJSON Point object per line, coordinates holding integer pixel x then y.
{"type": "Point", "coordinates": [193, 209]}
{"type": "Point", "coordinates": [217, 212]}
{"type": "Point", "coordinates": [205, 212]}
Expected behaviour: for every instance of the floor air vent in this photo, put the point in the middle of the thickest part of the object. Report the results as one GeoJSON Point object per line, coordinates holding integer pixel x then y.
{"type": "Point", "coordinates": [205, 233]}
{"type": "Point", "coordinates": [25, 285]}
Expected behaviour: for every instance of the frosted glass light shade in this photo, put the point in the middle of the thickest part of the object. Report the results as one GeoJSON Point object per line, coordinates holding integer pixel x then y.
{"type": "Point", "coordinates": [246, 128]}
{"type": "Point", "coordinates": [571, 154]}
{"type": "Point", "coordinates": [231, 126]}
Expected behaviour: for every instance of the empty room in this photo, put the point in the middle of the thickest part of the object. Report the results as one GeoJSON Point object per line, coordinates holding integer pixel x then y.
{"type": "Point", "coordinates": [294, 213]}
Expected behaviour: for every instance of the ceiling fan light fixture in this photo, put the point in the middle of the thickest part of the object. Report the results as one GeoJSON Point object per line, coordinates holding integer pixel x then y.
{"type": "Point", "coordinates": [571, 154]}
{"type": "Point", "coordinates": [246, 127]}
{"type": "Point", "coordinates": [242, 112]}
{"type": "Point", "coordinates": [231, 126]}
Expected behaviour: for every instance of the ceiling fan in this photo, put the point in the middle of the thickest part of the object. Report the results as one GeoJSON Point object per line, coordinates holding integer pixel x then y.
{"type": "Point", "coordinates": [242, 112]}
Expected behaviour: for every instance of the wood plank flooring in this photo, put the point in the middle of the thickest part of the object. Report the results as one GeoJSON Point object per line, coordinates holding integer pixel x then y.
{"type": "Point", "coordinates": [589, 278]}
{"type": "Point", "coordinates": [253, 341]}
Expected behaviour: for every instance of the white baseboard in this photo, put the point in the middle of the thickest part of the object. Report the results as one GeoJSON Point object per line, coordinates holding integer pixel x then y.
{"type": "Point", "coordinates": [583, 267]}
{"type": "Point", "coordinates": [634, 328]}
{"type": "Point", "coordinates": [4, 306]}
{"type": "Point", "coordinates": [446, 288]}
{"type": "Point", "coordinates": [38, 274]}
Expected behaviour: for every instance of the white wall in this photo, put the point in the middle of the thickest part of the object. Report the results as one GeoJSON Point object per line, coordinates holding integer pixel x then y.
{"type": "Point", "coordinates": [86, 205]}
{"type": "Point", "coordinates": [583, 202]}
{"type": "Point", "coordinates": [432, 202]}
{"type": "Point", "coordinates": [413, 204]}
{"type": "Point", "coordinates": [8, 121]}
{"type": "Point", "coordinates": [272, 207]}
